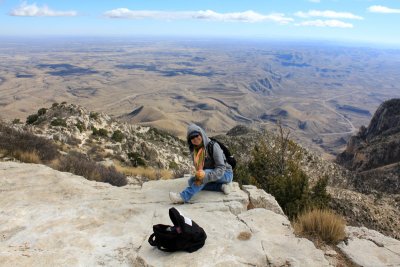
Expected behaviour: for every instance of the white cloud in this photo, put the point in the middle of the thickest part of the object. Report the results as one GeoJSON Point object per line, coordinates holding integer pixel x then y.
{"type": "Point", "coordinates": [383, 9]}
{"type": "Point", "coordinates": [326, 23]}
{"type": "Point", "coordinates": [314, 1]}
{"type": "Point", "coordinates": [327, 14]}
{"type": "Point", "coordinates": [246, 16]}
{"type": "Point", "coordinates": [26, 10]}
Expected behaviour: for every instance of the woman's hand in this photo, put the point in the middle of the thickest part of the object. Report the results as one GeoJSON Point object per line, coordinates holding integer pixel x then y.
{"type": "Point", "coordinates": [200, 174]}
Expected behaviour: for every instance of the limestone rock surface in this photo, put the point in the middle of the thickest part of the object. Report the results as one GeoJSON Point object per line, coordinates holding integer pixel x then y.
{"type": "Point", "coordinates": [369, 248]}
{"type": "Point", "coordinates": [50, 218]}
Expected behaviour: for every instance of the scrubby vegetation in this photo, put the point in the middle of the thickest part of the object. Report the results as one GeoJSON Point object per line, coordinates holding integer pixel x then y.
{"type": "Point", "coordinates": [321, 225]}
{"type": "Point", "coordinates": [100, 132]}
{"type": "Point", "coordinates": [32, 118]}
{"type": "Point", "coordinates": [275, 167]}
{"type": "Point", "coordinates": [23, 145]}
{"type": "Point", "coordinates": [30, 148]}
{"type": "Point", "coordinates": [148, 172]}
{"type": "Point", "coordinates": [136, 159]}
{"type": "Point", "coordinates": [58, 122]}
{"type": "Point", "coordinates": [80, 164]}
{"type": "Point", "coordinates": [117, 136]}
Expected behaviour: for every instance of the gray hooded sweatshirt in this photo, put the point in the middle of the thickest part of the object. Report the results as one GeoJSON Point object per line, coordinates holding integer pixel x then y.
{"type": "Point", "coordinates": [216, 162]}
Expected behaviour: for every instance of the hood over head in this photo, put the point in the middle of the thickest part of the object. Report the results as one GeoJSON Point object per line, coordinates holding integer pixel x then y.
{"type": "Point", "coordinates": [195, 129]}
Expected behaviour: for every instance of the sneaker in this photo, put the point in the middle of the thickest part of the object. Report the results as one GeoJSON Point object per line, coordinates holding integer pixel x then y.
{"type": "Point", "coordinates": [226, 188]}
{"type": "Point", "coordinates": [176, 198]}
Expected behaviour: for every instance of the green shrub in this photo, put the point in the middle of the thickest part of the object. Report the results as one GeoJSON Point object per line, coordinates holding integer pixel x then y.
{"type": "Point", "coordinates": [54, 105]}
{"type": "Point", "coordinates": [80, 126]}
{"type": "Point", "coordinates": [136, 159]}
{"type": "Point", "coordinates": [94, 131]}
{"type": "Point", "coordinates": [102, 132]}
{"type": "Point", "coordinates": [32, 118]}
{"type": "Point", "coordinates": [99, 132]}
{"type": "Point", "coordinates": [58, 122]}
{"type": "Point", "coordinates": [319, 197]}
{"type": "Point", "coordinates": [242, 175]}
{"type": "Point", "coordinates": [94, 115]}
{"type": "Point", "coordinates": [276, 169]}
{"type": "Point", "coordinates": [42, 111]}
{"type": "Point", "coordinates": [16, 121]}
{"type": "Point", "coordinates": [117, 136]}
{"type": "Point", "coordinates": [173, 165]}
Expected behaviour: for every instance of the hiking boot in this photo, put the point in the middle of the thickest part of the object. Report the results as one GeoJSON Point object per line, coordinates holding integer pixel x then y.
{"type": "Point", "coordinates": [176, 198]}
{"type": "Point", "coordinates": [226, 188]}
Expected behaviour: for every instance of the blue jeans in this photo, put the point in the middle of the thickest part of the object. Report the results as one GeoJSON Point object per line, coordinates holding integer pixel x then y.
{"type": "Point", "coordinates": [193, 189]}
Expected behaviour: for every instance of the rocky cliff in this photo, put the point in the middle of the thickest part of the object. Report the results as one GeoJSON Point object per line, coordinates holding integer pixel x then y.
{"type": "Point", "coordinates": [50, 218]}
{"type": "Point", "coordinates": [378, 144]}
{"type": "Point", "coordinates": [374, 153]}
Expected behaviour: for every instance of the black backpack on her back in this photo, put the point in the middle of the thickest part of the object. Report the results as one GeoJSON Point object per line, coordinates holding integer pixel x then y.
{"type": "Point", "coordinates": [184, 235]}
{"type": "Point", "coordinates": [229, 157]}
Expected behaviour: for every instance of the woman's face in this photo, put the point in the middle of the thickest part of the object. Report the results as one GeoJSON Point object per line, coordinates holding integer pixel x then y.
{"type": "Point", "coordinates": [196, 140]}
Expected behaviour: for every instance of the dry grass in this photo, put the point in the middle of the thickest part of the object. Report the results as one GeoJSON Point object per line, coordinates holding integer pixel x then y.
{"type": "Point", "coordinates": [148, 172]}
{"type": "Point", "coordinates": [244, 236]}
{"type": "Point", "coordinates": [321, 224]}
{"type": "Point", "coordinates": [27, 156]}
{"type": "Point", "coordinates": [80, 164]}
{"type": "Point", "coordinates": [12, 141]}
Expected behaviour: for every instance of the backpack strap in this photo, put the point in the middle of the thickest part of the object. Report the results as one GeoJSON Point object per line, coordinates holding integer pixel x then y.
{"type": "Point", "coordinates": [210, 148]}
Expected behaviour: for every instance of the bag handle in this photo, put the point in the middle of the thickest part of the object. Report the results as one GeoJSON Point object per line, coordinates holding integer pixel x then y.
{"type": "Point", "coordinates": [153, 241]}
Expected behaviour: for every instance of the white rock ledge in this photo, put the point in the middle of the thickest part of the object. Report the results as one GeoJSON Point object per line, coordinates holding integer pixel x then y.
{"type": "Point", "coordinates": [50, 218]}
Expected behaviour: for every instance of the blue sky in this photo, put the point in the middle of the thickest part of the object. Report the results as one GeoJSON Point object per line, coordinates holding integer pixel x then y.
{"type": "Point", "coordinates": [371, 21]}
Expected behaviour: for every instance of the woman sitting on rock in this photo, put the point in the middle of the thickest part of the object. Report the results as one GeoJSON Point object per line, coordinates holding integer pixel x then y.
{"type": "Point", "coordinates": [213, 173]}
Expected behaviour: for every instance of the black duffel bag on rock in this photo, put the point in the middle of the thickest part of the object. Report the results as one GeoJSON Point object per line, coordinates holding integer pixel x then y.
{"type": "Point", "coordinates": [184, 235]}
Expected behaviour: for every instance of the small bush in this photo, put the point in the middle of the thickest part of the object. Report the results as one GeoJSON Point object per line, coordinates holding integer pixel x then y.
{"type": "Point", "coordinates": [58, 122]}
{"type": "Point", "coordinates": [79, 164]}
{"type": "Point", "coordinates": [117, 136]}
{"type": "Point", "coordinates": [319, 197]}
{"type": "Point", "coordinates": [276, 167]}
{"type": "Point", "coordinates": [99, 132]}
{"type": "Point", "coordinates": [94, 115]}
{"type": "Point", "coordinates": [136, 159]}
{"type": "Point", "coordinates": [16, 121]}
{"type": "Point", "coordinates": [42, 111]}
{"type": "Point", "coordinates": [80, 126]}
{"type": "Point", "coordinates": [173, 165]}
{"type": "Point", "coordinates": [321, 224]}
{"type": "Point", "coordinates": [32, 118]}
{"type": "Point", "coordinates": [54, 105]}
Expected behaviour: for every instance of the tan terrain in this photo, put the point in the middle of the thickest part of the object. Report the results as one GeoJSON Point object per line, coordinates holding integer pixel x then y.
{"type": "Point", "coordinates": [321, 93]}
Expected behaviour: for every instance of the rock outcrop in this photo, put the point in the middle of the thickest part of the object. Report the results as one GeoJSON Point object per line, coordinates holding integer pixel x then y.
{"type": "Point", "coordinates": [50, 218]}
{"type": "Point", "coordinates": [379, 144]}
{"type": "Point", "coordinates": [369, 248]}
{"type": "Point", "coordinates": [103, 138]}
